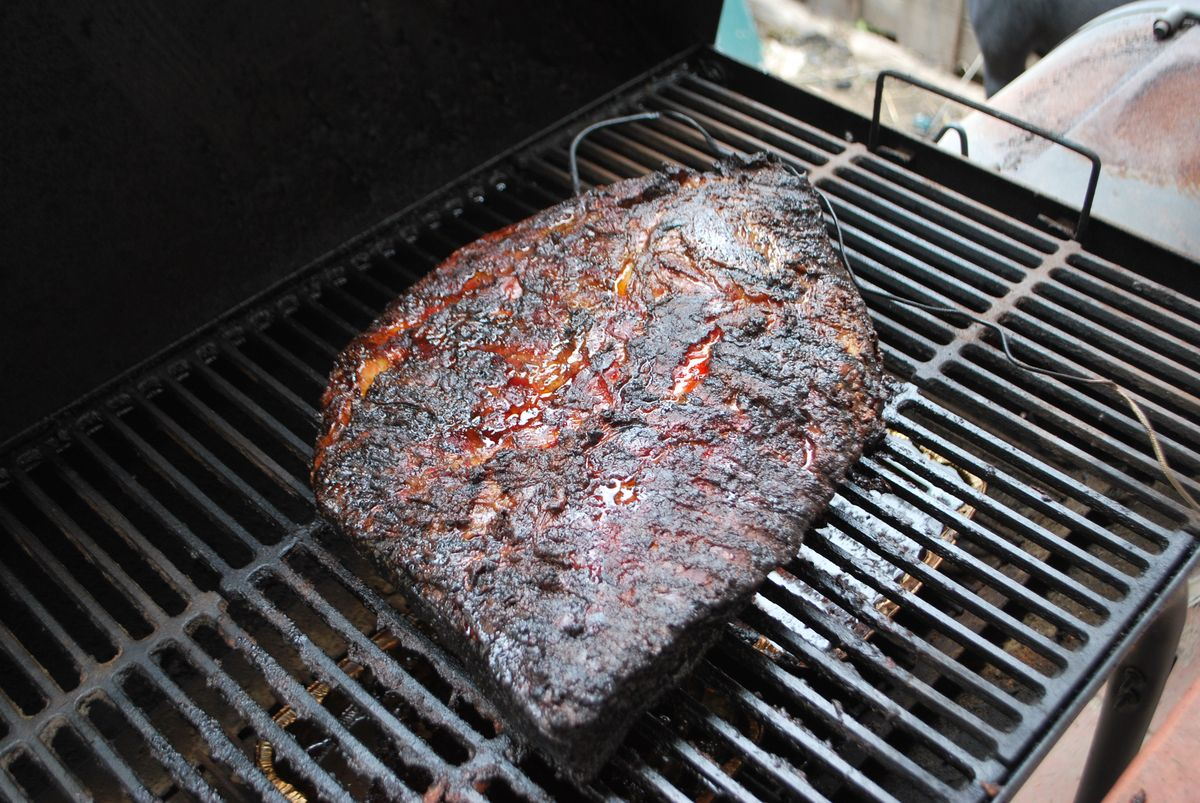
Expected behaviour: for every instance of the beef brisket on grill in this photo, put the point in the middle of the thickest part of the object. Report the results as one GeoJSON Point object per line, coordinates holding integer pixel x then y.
{"type": "Point", "coordinates": [584, 440]}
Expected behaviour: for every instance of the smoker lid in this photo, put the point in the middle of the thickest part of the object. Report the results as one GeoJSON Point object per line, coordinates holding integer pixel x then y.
{"type": "Point", "coordinates": [1127, 94]}
{"type": "Point", "coordinates": [163, 164]}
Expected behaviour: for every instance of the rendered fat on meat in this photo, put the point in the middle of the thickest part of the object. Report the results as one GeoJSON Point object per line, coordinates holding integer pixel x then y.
{"type": "Point", "coordinates": [582, 442]}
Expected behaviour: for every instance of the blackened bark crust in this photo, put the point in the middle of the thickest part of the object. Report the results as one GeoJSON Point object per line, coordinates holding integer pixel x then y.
{"type": "Point", "coordinates": [584, 440]}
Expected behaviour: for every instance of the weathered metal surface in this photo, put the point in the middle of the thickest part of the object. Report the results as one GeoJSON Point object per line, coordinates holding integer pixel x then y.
{"type": "Point", "coordinates": [1118, 89]}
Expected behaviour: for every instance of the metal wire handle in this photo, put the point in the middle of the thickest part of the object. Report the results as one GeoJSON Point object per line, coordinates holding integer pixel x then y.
{"type": "Point", "coordinates": [573, 158]}
{"type": "Point", "coordinates": [1006, 347]}
{"type": "Point", "coordinates": [1094, 379]}
{"type": "Point", "coordinates": [1089, 195]}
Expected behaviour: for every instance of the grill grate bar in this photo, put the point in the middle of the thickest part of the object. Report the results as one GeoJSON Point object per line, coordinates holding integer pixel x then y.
{"type": "Point", "coordinates": [797, 783]}
{"type": "Point", "coordinates": [591, 171]}
{"type": "Point", "coordinates": [773, 621]}
{"type": "Point", "coordinates": [976, 266]}
{"type": "Point", "coordinates": [89, 550]}
{"type": "Point", "coordinates": [662, 143]}
{"type": "Point", "coordinates": [1114, 414]}
{"type": "Point", "coordinates": [703, 765]}
{"type": "Point", "coordinates": [1112, 342]}
{"type": "Point", "coordinates": [348, 329]}
{"type": "Point", "coordinates": [1147, 335]}
{"type": "Point", "coordinates": [1143, 305]}
{"type": "Point", "coordinates": [966, 206]}
{"type": "Point", "coordinates": [265, 379]}
{"type": "Point", "coordinates": [1041, 503]}
{"type": "Point", "coordinates": [1041, 472]}
{"type": "Point", "coordinates": [8, 784]}
{"type": "Point", "coordinates": [1008, 256]}
{"type": "Point", "coordinates": [390, 620]}
{"type": "Point", "coordinates": [49, 763]}
{"type": "Point", "coordinates": [794, 732]}
{"type": "Point", "coordinates": [932, 616]}
{"type": "Point", "coordinates": [131, 784]}
{"type": "Point", "coordinates": [865, 652]}
{"type": "Point", "coordinates": [179, 767]}
{"type": "Point", "coordinates": [611, 159]}
{"type": "Point", "coordinates": [1038, 535]}
{"type": "Point", "coordinates": [393, 259]}
{"type": "Point", "coordinates": [281, 433]}
{"type": "Point", "coordinates": [218, 423]}
{"type": "Point", "coordinates": [862, 237]}
{"type": "Point", "coordinates": [876, 276]}
{"type": "Point", "coordinates": [286, 688]}
{"type": "Point", "coordinates": [222, 748]}
{"type": "Point", "coordinates": [81, 662]}
{"type": "Point", "coordinates": [215, 466]}
{"type": "Point", "coordinates": [176, 580]}
{"type": "Point", "coordinates": [905, 250]}
{"type": "Point", "coordinates": [368, 653]}
{"type": "Point", "coordinates": [1067, 347]}
{"type": "Point", "coordinates": [182, 484]}
{"type": "Point", "coordinates": [338, 291]}
{"type": "Point", "coordinates": [310, 337]}
{"type": "Point", "coordinates": [648, 778]}
{"type": "Point", "coordinates": [364, 273]}
{"type": "Point", "coordinates": [806, 569]}
{"type": "Point", "coordinates": [147, 501]}
{"type": "Point", "coordinates": [91, 609]}
{"type": "Point", "coordinates": [326, 669]}
{"type": "Point", "coordinates": [264, 726]}
{"type": "Point", "coordinates": [1145, 290]}
{"type": "Point", "coordinates": [762, 114]}
{"type": "Point", "coordinates": [772, 137]}
{"type": "Point", "coordinates": [841, 514]}
{"type": "Point", "coordinates": [965, 527]}
{"type": "Point", "coordinates": [1027, 430]}
{"type": "Point", "coordinates": [734, 138]}
{"type": "Point", "coordinates": [29, 668]}
{"type": "Point", "coordinates": [962, 561]}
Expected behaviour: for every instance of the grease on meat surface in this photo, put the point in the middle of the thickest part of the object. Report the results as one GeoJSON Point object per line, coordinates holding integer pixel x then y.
{"type": "Point", "coordinates": [584, 440]}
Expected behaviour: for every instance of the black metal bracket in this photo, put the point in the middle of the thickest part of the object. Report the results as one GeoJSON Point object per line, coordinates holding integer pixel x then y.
{"type": "Point", "coordinates": [1134, 689]}
{"type": "Point", "coordinates": [962, 137]}
{"type": "Point", "coordinates": [1085, 211]}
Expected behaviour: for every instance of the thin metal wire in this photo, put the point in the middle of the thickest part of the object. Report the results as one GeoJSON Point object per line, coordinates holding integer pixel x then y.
{"type": "Point", "coordinates": [713, 145]}
{"type": "Point", "coordinates": [1001, 335]}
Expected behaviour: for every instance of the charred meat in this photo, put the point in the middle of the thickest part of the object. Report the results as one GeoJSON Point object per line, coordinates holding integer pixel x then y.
{"type": "Point", "coordinates": [583, 441]}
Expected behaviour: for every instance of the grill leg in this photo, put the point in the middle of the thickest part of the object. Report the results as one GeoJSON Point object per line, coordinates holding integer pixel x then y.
{"type": "Point", "coordinates": [1133, 691]}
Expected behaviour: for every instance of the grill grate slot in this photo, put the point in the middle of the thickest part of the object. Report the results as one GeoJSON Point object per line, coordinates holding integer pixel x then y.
{"type": "Point", "coordinates": [1002, 255]}
{"type": "Point", "coordinates": [36, 783]}
{"type": "Point", "coordinates": [732, 129]}
{"type": "Point", "coordinates": [90, 626]}
{"type": "Point", "coordinates": [114, 778]}
{"type": "Point", "coordinates": [1153, 302]}
{"type": "Point", "coordinates": [166, 569]}
{"type": "Point", "coordinates": [949, 199]}
{"type": "Point", "coordinates": [899, 244]}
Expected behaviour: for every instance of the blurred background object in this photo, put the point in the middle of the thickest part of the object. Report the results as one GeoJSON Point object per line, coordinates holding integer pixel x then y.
{"type": "Point", "coordinates": [1010, 31]}
{"type": "Point", "coordinates": [1127, 89]}
{"type": "Point", "coordinates": [1123, 85]}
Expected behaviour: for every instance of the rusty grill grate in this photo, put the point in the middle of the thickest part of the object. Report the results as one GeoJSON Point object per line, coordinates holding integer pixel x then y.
{"type": "Point", "coordinates": [165, 588]}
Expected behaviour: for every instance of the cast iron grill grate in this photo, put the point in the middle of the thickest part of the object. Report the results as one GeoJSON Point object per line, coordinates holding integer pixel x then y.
{"type": "Point", "coordinates": [165, 588]}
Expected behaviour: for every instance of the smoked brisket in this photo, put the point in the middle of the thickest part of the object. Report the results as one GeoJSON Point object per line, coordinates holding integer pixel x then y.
{"type": "Point", "coordinates": [583, 441]}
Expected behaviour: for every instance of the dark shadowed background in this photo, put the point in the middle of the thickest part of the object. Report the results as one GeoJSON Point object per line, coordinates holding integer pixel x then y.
{"type": "Point", "coordinates": [161, 162]}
